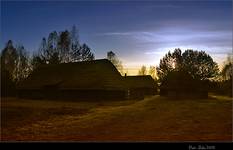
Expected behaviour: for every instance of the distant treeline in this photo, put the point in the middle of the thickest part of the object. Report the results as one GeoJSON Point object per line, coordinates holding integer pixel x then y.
{"type": "Point", "coordinates": [65, 46]}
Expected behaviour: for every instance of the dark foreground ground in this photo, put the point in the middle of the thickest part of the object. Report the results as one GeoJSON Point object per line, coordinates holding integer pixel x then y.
{"type": "Point", "coordinates": [152, 119]}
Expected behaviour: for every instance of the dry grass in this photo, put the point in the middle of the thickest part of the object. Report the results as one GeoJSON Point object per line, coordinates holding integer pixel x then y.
{"type": "Point", "coordinates": [152, 119]}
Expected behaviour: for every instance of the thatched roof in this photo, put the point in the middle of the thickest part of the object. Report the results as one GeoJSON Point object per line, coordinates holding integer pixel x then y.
{"type": "Point", "coordinates": [97, 74]}
{"type": "Point", "coordinates": [140, 81]}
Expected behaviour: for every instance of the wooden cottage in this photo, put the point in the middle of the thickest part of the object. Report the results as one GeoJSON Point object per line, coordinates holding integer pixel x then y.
{"type": "Point", "coordinates": [140, 86]}
{"type": "Point", "coordinates": [98, 79]}
{"type": "Point", "coordinates": [182, 85]}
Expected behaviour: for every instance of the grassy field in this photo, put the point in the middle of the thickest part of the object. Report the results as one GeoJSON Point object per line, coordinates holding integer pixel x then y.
{"type": "Point", "coordinates": [152, 119]}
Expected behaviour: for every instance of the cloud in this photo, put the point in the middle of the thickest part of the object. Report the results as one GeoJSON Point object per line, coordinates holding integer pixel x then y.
{"type": "Point", "coordinates": [133, 34]}
{"type": "Point", "coordinates": [154, 44]}
{"type": "Point", "coordinates": [166, 6]}
{"type": "Point", "coordinates": [114, 34]}
{"type": "Point", "coordinates": [154, 53]}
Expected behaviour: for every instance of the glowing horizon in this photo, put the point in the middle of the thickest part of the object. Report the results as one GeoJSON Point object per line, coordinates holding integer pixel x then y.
{"type": "Point", "coordinates": [140, 33]}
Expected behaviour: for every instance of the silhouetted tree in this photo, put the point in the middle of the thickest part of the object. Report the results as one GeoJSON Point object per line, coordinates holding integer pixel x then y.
{"type": "Point", "coordinates": [14, 67]}
{"type": "Point", "coordinates": [64, 43]}
{"type": "Point", "coordinates": [52, 48]}
{"type": "Point", "coordinates": [43, 55]}
{"type": "Point", "coordinates": [178, 60]}
{"type": "Point", "coordinates": [23, 63]}
{"type": "Point", "coordinates": [62, 48]}
{"type": "Point", "coordinates": [227, 70]}
{"type": "Point", "coordinates": [197, 63]}
{"type": "Point", "coordinates": [152, 72]}
{"type": "Point", "coordinates": [170, 62]}
{"type": "Point", "coordinates": [36, 61]}
{"type": "Point", "coordinates": [74, 37]}
{"type": "Point", "coordinates": [86, 54]}
{"type": "Point", "coordinates": [142, 70]}
{"type": "Point", "coordinates": [76, 53]}
{"type": "Point", "coordinates": [50, 51]}
{"type": "Point", "coordinates": [15, 61]}
{"type": "Point", "coordinates": [43, 51]}
{"type": "Point", "coordinates": [75, 45]}
{"type": "Point", "coordinates": [52, 40]}
{"type": "Point", "coordinates": [8, 59]}
{"type": "Point", "coordinates": [111, 56]}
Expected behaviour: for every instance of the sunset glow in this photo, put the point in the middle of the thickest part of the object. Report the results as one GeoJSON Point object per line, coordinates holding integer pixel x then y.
{"type": "Point", "coordinates": [140, 33]}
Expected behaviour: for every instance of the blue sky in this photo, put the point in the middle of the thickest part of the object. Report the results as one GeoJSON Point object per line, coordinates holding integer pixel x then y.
{"type": "Point", "coordinates": [139, 32]}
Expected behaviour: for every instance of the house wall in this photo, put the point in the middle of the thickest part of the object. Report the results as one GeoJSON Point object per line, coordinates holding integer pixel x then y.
{"type": "Point", "coordinates": [93, 94]}
{"type": "Point", "coordinates": [55, 93]}
{"type": "Point", "coordinates": [192, 93]}
{"type": "Point", "coordinates": [136, 94]}
{"type": "Point", "coordinates": [149, 91]}
{"type": "Point", "coordinates": [72, 94]}
{"type": "Point", "coordinates": [31, 94]}
{"type": "Point", "coordinates": [140, 93]}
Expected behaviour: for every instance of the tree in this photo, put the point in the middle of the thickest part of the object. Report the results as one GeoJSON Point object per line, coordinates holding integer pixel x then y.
{"type": "Point", "coordinates": [15, 61]}
{"type": "Point", "coordinates": [52, 40]}
{"type": "Point", "coordinates": [111, 56]}
{"type": "Point", "coordinates": [75, 45]}
{"type": "Point", "coordinates": [36, 61]}
{"type": "Point", "coordinates": [227, 70]}
{"type": "Point", "coordinates": [14, 67]}
{"type": "Point", "coordinates": [170, 62]}
{"type": "Point", "coordinates": [43, 51]}
{"type": "Point", "coordinates": [152, 72]}
{"type": "Point", "coordinates": [74, 37]}
{"type": "Point", "coordinates": [142, 70]}
{"type": "Point", "coordinates": [8, 59]}
{"type": "Point", "coordinates": [197, 63]}
{"type": "Point", "coordinates": [51, 52]}
{"type": "Point", "coordinates": [76, 53]}
{"type": "Point", "coordinates": [64, 46]}
{"type": "Point", "coordinates": [23, 66]}
{"type": "Point", "coordinates": [226, 73]}
{"type": "Point", "coordinates": [178, 60]}
{"type": "Point", "coordinates": [52, 48]}
{"type": "Point", "coordinates": [86, 54]}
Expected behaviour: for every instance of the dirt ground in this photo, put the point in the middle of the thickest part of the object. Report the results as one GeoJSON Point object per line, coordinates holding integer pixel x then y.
{"type": "Point", "coordinates": [152, 119]}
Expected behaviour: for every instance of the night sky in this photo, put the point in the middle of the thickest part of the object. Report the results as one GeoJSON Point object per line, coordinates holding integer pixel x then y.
{"type": "Point", "coordinates": [139, 32]}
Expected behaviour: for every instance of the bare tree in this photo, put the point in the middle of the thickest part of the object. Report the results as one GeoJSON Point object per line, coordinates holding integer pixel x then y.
{"type": "Point", "coordinates": [64, 47]}
{"type": "Point", "coordinates": [9, 56]}
{"type": "Point", "coordinates": [142, 70]}
{"type": "Point", "coordinates": [152, 72]}
{"type": "Point", "coordinates": [86, 54]}
{"type": "Point", "coordinates": [111, 56]}
{"type": "Point", "coordinates": [227, 70]}
{"type": "Point", "coordinates": [23, 63]}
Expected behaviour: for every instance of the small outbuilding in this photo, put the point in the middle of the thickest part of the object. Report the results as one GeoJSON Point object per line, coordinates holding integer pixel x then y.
{"type": "Point", "coordinates": [140, 86]}
{"type": "Point", "coordinates": [182, 85]}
